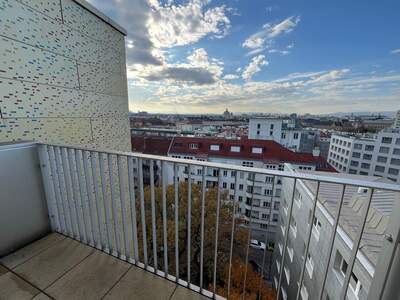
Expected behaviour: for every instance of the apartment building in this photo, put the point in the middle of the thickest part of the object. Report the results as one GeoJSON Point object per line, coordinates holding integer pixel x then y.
{"type": "Point", "coordinates": [375, 156]}
{"type": "Point", "coordinates": [258, 195]}
{"type": "Point", "coordinates": [63, 75]}
{"type": "Point", "coordinates": [317, 263]}
{"type": "Point", "coordinates": [397, 120]}
{"type": "Point", "coordinates": [283, 131]}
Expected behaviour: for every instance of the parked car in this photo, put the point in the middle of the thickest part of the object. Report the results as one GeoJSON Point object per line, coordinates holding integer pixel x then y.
{"type": "Point", "coordinates": [257, 244]}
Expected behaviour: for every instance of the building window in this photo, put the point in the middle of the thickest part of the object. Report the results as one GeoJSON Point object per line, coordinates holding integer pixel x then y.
{"type": "Point", "coordinates": [358, 146]}
{"type": "Point", "coordinates": [271, 133]}
{"type": "Point", "coordinates": [247, 164]}
{"type": "Point", "coordinates": [316, 227]}
{"type": "Point", "coordinates": [356, 154]}
{"type": "Point", "coordinates": [395, 161]}
{"type": "Point", "coordinates": [309, 265]}
{"type": "Point", "coordinates": [266, 204]}
{"type": "Point", "coordinates": [379, 168]}
{"type": "Point", "coordinates": [258, 132]}
{"type": "Point", "coordinates": [393, 171]}
{"type": "Point", "coordinates": [235, 148]}
{"type": "Point", "coordinates": [265, 216]}
{"type": "Point", "coordinates": [194, 146]}
{"type": "Point", "coordinates": [382, 159]}
{"type": "Point", "coordinates": [271, 126]}
{"type": "Point", "coordinates": [365, 166]}
{"type": "Point", "coordinates": [258, 126]}
{"type": "Point", "coordinates": [240, 187]}
{"type": "Point", "coordinates": [355, 284]}
{"type": "Point", "coordinates": [396, 151]}
{"type": "Point", "coordinates": [199, 171]}
{"type": "Point", "coordinates": [224, 185]}
{"type": "Point", "coordinates": [295, 135]}
{"type": "Point", "coordinates": [384, 150]}
{"type": "Point", "coordinates": [367, 156]}
{"type": "Point", "coordinates": [369, 147]}
{"type": "Point", "coordinates": [214, 147]}
{"type": "Point", "coordinates": [386, 140]}
{"type": "Point", "coordinates": [225, 173]}
{"type": "Point", "coordinates": [232, 186]}
{"type": "Point", "coordinates": [275, 218]}
{"type": "Point", "coordinates": [340, 264]}
{"type": "Point", "coordinates": [277, 205]}
{"type": "Point", "coordinates": [256, 150]}
{"type": "Point", "coordinates": [240, 198]}
{"type": "Point", "coordinates": [354, 163]}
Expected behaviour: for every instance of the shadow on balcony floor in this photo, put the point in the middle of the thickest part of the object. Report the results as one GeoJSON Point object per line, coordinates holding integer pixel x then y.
{"type": "Point", "coordinates": [57, 267]}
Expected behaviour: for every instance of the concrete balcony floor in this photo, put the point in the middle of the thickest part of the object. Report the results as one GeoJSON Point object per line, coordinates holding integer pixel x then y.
{"type": "Point", "coordinates": [57, 267]}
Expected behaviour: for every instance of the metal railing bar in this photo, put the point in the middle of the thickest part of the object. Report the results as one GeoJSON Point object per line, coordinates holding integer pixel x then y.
{"type": "Point", "coordinates": [176, 196]}
{"type": "Point", "coordinates": [216, 234]}
{"type": "Point", "coordinates": [48, 187]}
{"type": "Point", "coordinates": [102, 158]}
{"type": "Point", "coordinates": [248, 238]}
{"type": "Point", "coordinates": [164, 208]}
{"type": "Point", "coordinates": [142, 212]}
{"type": "Point", "coordinates": [132, 198]}
{"type": "Point", "coordinates": [356, 244]}
{"type": "Point", "coordinates": [266, 236]}
{"type": "Point", "coordinates": [78, 158]}
{"type": "Point", "coordinates": [308, 240]}
{"type": "Point", "coordinates": [63, 188]}
{"type": "Point", "coordinates": [203, 197]}
{"type": "Point", "coordinates": [189, 223]}
{"type": "Point", "coordinates": [286, 240]}
{"type": "Point", "coordinates": [71, 155]}
{"type": "Point", "coordinates": [89, 194]}
{"type": "Point", "coordinates": [122, 198]}
{"type": "Point", "coordinates": [153, 216]}
{"type": "Point", "coordinates": [114, 205]}
{"type": "Point", "coordinates": [332, 240]}
{"type": "Point", "coordinates": [271, 172]}
{"type": "Point", "coordinates": [95, 179]}
{"type": "Point", "coordinates": [56, 187]}
{"type": "Point", "coordinates": [68, 187]}
{"type": "Point", "coordinates": [232, 232]}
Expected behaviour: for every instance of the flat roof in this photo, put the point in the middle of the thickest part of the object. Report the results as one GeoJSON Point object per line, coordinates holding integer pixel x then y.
{"type": "Point", "coordinates": [102, 16]}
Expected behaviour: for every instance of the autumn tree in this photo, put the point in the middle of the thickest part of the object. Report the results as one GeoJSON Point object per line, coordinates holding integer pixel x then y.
{"type": "Point", "coordinates": [224, 239]}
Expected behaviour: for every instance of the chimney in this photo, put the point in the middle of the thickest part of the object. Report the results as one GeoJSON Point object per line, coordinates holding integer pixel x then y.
{"type": "Point", "coordinates": [316, 152]}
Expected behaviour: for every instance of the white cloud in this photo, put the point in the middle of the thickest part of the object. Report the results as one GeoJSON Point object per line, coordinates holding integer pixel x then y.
{"type": "Point", "coordinates": [254, 66]}
{"type": "Point", "coordinates": [230, 77]}
{"type": "Point", "coordinates": [176, 25]}
{"type": "Point", "coordinates": [395, 51]}
{"type": "Point", "coordinates": [264, 38]}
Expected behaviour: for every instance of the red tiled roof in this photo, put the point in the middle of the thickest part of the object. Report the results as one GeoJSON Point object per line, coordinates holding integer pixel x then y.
{"type": "Point", "coordinates": [272, 152]}
{"type": "Point", "coordinates": [151, 144]}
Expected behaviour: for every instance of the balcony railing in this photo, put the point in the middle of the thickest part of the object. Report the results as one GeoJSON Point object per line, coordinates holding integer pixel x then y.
{"type": "Point", "coordinates": [185, 232]}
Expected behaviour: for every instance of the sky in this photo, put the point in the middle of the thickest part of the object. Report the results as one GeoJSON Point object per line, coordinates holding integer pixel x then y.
{"type": "Point", "coordinates": [303, 56]}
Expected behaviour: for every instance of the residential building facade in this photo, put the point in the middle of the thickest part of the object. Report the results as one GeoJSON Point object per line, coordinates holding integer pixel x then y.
{"type": "Point", "coordinates": [397, 120]}
{"type": "Point", "coordinates": [284, 132]}
{"type": "Point", "coordinates": [317, 257]}
{"type": "Point", "coordinates": [258, 196]}
{"type": "Point", "coordinates": [63, 75]}
{"type": "Point", "coordinates": [375, 156]}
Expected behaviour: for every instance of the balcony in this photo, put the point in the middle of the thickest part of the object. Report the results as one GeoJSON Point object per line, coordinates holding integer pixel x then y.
{"type": "Point", "coordinates": [87, 224]}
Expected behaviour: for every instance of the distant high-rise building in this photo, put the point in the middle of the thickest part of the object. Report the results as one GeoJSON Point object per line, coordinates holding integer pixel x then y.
{"type": "Point", "coordinates": [375, 156]}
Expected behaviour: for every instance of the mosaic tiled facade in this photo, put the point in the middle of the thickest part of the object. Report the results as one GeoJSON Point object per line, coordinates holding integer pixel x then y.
{"type": "Point", "coordinates": [62, 75]}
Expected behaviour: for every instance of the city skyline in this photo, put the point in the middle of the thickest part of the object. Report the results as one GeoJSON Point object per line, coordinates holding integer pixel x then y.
{"type": "Point", "coordinates": [203, 56]}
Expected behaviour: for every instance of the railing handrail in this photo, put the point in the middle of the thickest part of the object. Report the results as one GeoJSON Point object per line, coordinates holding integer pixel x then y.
{"type": "Point", "coordinates": [287, 174]}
